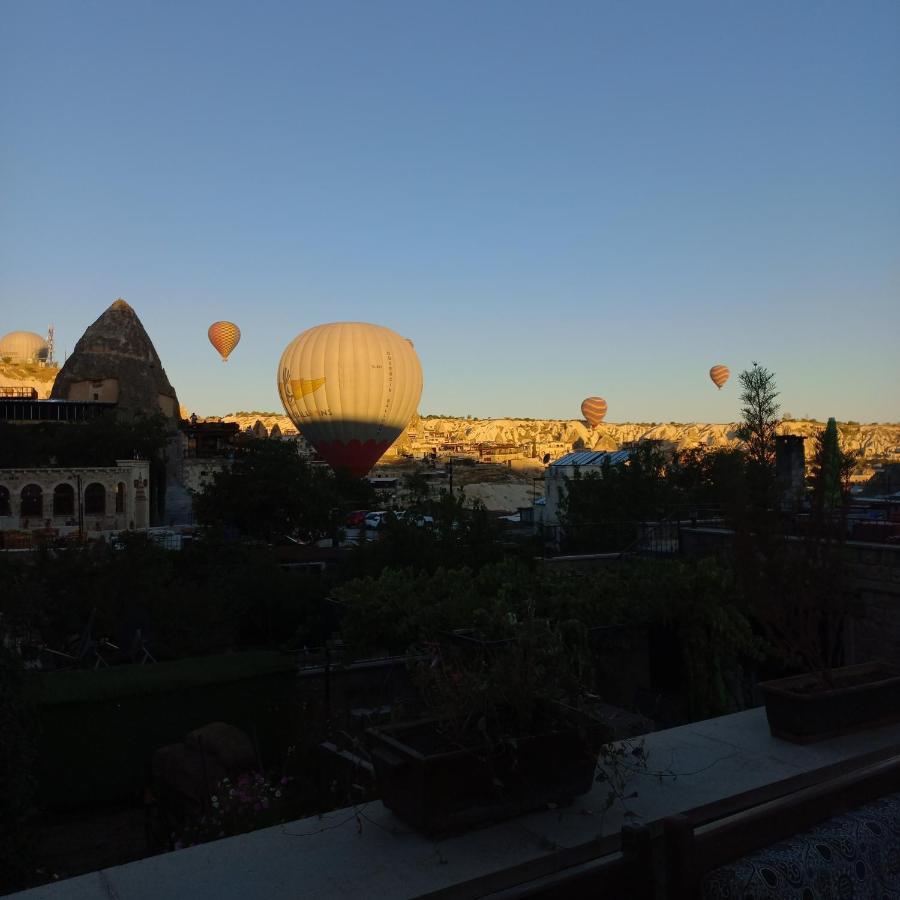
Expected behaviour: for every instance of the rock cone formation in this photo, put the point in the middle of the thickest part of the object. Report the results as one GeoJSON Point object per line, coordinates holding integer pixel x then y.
{"type": "Point", "coordinates": [115, 361]}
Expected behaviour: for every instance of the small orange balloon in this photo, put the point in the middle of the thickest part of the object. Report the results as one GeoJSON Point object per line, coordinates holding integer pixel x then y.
{"type": "Point", "coordinates": [224, 336]}
{"type": "Point", "coordinates": [593, 409]}
{"type": "Point", "coordinates": [719, 375]}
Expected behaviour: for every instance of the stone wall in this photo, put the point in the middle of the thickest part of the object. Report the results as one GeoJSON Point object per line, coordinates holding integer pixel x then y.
{"type": "Point", "coordinates": [874, 582]}
{"type": "Point", "coordinates": [875, 621]}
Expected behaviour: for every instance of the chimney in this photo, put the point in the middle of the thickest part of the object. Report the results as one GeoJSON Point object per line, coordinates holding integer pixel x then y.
{"type": "Point", "coordinates": [790, 471]}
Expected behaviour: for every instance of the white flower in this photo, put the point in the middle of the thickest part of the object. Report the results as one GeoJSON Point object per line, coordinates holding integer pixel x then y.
{"type": "Point", "coordinates": [277, 793]}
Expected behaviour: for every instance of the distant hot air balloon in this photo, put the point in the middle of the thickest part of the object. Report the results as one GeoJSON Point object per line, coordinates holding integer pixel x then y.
{"type": "Point", "coordinates": [224, 336]}
{"type": "Point", "coordinates": [351, 389]}
{"type": "Point", "coordinates": [593, 409]}
{"type": "Point", "coordinates": [719, 375]}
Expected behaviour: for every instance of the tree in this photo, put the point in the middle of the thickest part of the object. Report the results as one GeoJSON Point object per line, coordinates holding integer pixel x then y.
{"type": "Point", "coordinates": [760, 420]}
{"type": "Point", "coordinates": [270, 491]}
{"type": "Point", "coordinates": [600, 511]}
{"type": "Point", "coordinates": [759, 415]}
{"type": "Point", "coordinates": [831, 468]}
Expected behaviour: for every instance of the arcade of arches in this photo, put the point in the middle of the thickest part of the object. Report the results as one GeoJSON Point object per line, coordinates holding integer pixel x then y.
{"type": "Point", "coordinates": [112, 498]}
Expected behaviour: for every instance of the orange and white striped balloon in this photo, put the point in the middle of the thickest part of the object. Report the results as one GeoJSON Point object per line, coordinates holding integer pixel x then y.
{"type": "Point", "coordinates": [719, 375]}
{"type": "Point", "coordinates": [593, 409]}
{"type": "Point", "coordinates": [224, 336]}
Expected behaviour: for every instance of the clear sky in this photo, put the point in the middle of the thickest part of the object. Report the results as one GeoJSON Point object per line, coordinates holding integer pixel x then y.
{"type": "Point", "coordinates": [551, 199]}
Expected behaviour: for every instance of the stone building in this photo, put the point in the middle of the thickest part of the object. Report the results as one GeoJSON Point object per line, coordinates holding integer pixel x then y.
{"type": "Point", "coordinates": [92, 500]}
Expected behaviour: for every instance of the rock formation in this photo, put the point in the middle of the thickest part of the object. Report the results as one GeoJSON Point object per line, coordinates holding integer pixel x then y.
{"type": "Point", "coordinates": [871, 441]}
{"type": "Point", "coordinates": [115, 361]}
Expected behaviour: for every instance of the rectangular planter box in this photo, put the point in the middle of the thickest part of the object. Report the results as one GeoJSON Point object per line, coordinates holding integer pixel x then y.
{"type": "Point", "coordinates": [449, 790]}
{"type": "Point", "coordinates": [865, 695]}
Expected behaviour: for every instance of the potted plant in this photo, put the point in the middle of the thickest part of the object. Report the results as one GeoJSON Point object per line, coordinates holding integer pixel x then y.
{"type": "Point", "coordinates": [505, 731]}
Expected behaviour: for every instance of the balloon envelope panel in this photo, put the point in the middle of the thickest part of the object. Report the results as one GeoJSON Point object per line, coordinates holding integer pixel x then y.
{"type": "Point", "coordinates": [350, 388]}
{"type": "Point", "coordinates": [593, 409]}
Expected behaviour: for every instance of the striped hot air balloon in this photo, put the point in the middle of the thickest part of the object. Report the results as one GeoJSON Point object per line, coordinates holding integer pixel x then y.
{"type": "Point", "coordinates": [351, 389]}
{"type": "Point", "coordinates": [224, 336]}
{"type": "Point", "coordinates": [593, 409]}
{"type": "Point", "coordinates": [719, 375]}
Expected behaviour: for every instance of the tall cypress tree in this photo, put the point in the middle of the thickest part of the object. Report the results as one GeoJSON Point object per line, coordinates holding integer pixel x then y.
{"type": "Point", "coordinates": [830, 469]}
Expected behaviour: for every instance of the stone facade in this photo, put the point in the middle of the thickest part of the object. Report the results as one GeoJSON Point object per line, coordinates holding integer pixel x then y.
{"type": "Point", "coordinates": [104, 498]}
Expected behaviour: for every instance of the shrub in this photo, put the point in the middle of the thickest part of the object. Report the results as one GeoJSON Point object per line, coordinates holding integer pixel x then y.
{"type": "Point", "coordinates": [16, 784]}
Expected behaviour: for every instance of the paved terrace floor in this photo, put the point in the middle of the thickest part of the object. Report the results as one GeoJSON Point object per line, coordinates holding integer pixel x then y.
{"type": "Point", "coordinates": [370, 853]}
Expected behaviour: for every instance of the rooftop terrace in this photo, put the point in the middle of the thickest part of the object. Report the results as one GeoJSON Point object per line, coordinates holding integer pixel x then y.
{"type": "Point", "coordinates": [367, 852]}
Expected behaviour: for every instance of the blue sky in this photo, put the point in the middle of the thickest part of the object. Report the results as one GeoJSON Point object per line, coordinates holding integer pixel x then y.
{"type": "Point", "coordinates": [551, 199]}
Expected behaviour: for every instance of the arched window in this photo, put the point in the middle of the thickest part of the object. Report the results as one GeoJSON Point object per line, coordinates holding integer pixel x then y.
{"type": "Point", "coordinates": [120, 497]}
{"type": "Point", "coordinates": [64, 500]}
{"type": "Point", "coordinates": [32, 501]}
{"type": "Point", "coordinates": [95, 500]}
{"type": "Point", "coordinates": [4, 502]}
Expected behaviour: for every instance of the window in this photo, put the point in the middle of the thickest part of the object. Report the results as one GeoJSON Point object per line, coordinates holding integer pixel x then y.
{"type": "Point", "coordinates": [32, 501]}
{"type": "Point", "coordinates": [120, 497]}
{"type": "Point", "coordinates": [64, 500]}
{"type": "Point", "coordinates": [95, 500]}
{"type": "Point", "coordinates": [4, 502]}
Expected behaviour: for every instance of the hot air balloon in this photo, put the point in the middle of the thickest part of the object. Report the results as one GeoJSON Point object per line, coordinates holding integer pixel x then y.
{"type": "Point", "coordinates": [224, 336]}
{"type": "Point", "coordinates": [593, 409]}
{"type": "Point", "coordinates": [719, 375]}
{"type": "Point", "coordinates": [351, 389]}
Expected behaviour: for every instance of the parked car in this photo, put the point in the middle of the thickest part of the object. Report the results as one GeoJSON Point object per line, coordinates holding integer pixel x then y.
{"type": "Point", "coordinates": [374, 520]}
{"type": "Point", "coordinates": [416, 519]}
{"type": "Point", "coordinates": [356, 519]}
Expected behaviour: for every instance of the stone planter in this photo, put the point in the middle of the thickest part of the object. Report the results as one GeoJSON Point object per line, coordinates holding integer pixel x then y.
{"type": "Point", "coordinates": [799, 709]}
{"type": "Point", "coordinates": [439, 789]}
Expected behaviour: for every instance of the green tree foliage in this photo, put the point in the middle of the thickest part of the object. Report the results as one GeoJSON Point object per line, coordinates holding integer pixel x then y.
{"type": "Point", "coordinates": [16, 783]}
{"type": "Point", "coordinates": [695, 603]}
{"type": "Point", "coordinates": [759, 422]}
{"type": "Point", "coordinates": [269, 491]}
{"type": "Point", "coordinates": [716, 478]}
{"type": "Point", "coordinates": [211, 597]}
{"type": "Point", "coordinates": [461, 534]}
{"type": "Point", "coordinates": [830, 470]}
{"type": "Point", "coordinates": [601, 511]}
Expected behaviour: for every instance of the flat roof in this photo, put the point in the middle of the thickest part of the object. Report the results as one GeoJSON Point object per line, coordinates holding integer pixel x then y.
{"type": "Point", "coordinates": [592, 458]}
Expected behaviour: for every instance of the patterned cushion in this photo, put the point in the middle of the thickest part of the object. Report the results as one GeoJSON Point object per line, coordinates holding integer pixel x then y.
{"type": "Point", "coordinates": [856, 855]}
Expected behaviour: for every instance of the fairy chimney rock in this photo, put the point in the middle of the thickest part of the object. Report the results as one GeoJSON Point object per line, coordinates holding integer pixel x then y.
{"type": "Point", "coordinates": [115, 361]}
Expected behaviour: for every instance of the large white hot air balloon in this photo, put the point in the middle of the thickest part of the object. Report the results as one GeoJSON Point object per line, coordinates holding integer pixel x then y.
{"type": "Point", "coordinates": [350, 388]}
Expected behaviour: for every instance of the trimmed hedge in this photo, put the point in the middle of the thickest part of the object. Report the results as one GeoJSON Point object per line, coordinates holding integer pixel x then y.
{"type": "Point", "coordinates": [117, 682]}
{"type": "Point", "coordinates": [99, 729]}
